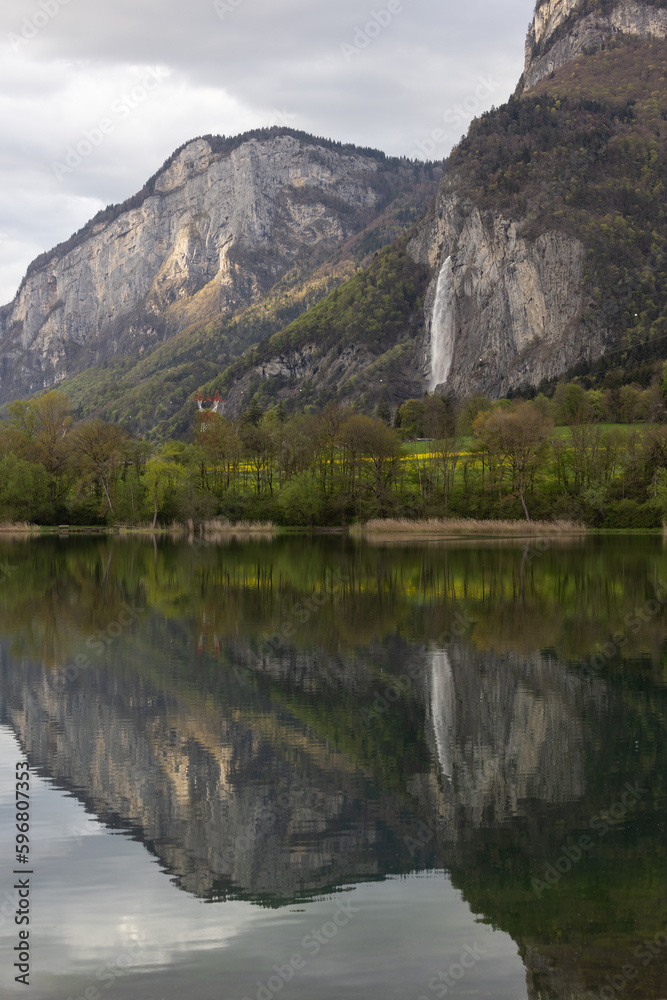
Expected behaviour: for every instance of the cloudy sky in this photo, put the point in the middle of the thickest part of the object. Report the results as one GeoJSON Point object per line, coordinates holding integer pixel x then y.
{"type": "Point", "coordinates": [95, 94]}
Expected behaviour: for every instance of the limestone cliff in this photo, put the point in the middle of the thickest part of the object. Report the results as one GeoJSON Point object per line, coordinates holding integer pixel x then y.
{"type": "Point", "coordinates": [527, 281]}
{"type": "Point", "coordinates": [544, 249]}
{"type": "Point", "coordinates": [212, 232]}
{"type": "Point", "coordinates": [515, 301]}
{"type": "Point", "coordinates": [564, 29]}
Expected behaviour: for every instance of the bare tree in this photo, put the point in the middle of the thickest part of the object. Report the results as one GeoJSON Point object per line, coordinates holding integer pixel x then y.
{"type": "Point", "coordinates": [519, 435]}
{"type": "Point", "coordinates": [371, 445]}
{"type": "Point", "coordinates": [221, 442]}
{"type": "Point", "coordinates": [99, 449]}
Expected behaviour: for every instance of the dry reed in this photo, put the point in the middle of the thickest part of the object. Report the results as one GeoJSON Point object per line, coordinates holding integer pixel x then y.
{"type": "Point", "coordinates": [456, 527]}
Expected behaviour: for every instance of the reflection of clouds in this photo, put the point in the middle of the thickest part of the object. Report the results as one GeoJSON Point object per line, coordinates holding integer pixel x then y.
{"type": "Point", "coordinates": [106, 909]}
{"type": "Point", "coordinates": [442, 708]}
{"type": "Point", "coordinates": [133, 908]}
{"type": "Point", "coordinates": [10, 753]}
{"type": "Point", "coordinates": [100, 900]}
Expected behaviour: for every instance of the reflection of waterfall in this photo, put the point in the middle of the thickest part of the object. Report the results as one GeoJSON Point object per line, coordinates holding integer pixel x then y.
{"type": "Point", "coordinates": [442, 327]}
{"type": "Point", "coordinates": [442, 709]}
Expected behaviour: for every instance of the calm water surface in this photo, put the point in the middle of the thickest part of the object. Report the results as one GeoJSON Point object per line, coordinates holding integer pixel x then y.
{"type": "Point", "coordinates": [331, 770]}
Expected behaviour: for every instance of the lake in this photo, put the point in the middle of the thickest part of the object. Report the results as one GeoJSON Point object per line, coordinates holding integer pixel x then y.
{"type": "Point", "coordinates": [328, 769]}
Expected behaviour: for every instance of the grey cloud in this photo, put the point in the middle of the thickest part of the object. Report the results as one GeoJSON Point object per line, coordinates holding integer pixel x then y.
{"type": "Point", "coordinates": [228, 75]}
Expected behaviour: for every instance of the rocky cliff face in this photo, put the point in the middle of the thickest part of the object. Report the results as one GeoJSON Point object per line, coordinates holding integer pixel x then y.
{"type": "Point", "coordinates": [564, 29]}
{"type": "Point", "coordinates": [215, 232]}
{"type": "Point", "coordinates": [522, 282]}
{"type": "Point", "coordinates": [515, 302]}
{"type": "Point", "coordinates": [510, 292]}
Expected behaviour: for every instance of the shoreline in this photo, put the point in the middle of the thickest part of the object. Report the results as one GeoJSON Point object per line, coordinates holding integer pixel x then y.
{"type": "Point", "coordinates": [390, 529]}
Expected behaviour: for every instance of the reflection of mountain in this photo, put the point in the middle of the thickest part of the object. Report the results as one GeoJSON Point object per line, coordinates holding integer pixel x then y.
{"type": "Point", "coordinates": [245, 784]}
{"type": "Point", "coordinates": [532, 758]}
{"type": "Point", "coordinates": [269, 774]}
{"type": "Point", "coordinates": [233, 797]}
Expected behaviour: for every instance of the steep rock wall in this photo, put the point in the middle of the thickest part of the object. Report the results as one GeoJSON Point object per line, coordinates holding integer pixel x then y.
{"type": "Point", "coordinates": [517, 300]}
{"type": "Point", "coordinates": [629, 17]}
{"type": "Point", "coordinates": [216, 233]}
{"type": "Point", "coordinates": [516, 296]}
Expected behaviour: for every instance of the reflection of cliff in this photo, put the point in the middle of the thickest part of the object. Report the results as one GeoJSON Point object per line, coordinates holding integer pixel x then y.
{"type": "Point", "coordinates": [534, 757]}
{"type": "Point", "coordinates": [270, 781]}
{"type": "Point", "coordinates": [508, 731]}
{"type": "Point", "coordinates": [233, 796]}
{"type": "Point", "coordinates": [246, 764]}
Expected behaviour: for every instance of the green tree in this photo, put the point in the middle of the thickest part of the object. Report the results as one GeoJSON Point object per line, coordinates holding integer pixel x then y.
{"type": "Point", "coordinates": [300, 500]}
{"type": "Point", "coordinates": [383, 411]}
{"type": "Point", "coordinates": [24, 488]}
{"type": "Point", "coordinates": [409, 420]}
{"type": "Point", "coordinates": [468, 409]}
{"type": "Point", "coordinates": [160, 478]}
{"type": "Point", "coordinates": [39, 429]}
{"type": "Point", "coordinates": [571, 403]}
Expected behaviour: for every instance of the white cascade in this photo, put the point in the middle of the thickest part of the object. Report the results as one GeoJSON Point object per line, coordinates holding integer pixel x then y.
{"type": "Point", "coordinates": [442, 709]}
{"type": "Point", "coordinates": [443, 328]}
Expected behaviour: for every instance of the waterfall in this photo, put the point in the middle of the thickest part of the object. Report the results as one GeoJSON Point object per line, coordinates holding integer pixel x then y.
{"type": "Point", "coordinates": [442, 327]}
{"type": "Point", "coordinates": [442, 709]}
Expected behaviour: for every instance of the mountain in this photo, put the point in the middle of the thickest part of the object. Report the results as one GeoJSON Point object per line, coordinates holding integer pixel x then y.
{"type": "Point", "coordinates": [562, 30]}
{"type": "Point", "coordinates": [545, 248]}
{"type": "Point", "coordinates": [549, 231]}
{"type": "Point", "coordinates": [282, 268]}
{"type": "Point", "coordinates": [222, 223]}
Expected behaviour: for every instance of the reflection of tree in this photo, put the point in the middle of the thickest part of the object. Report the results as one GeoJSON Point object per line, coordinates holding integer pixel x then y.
{"type": "Point", "coordinates": [61, 596]}
{"type": "Point", "coordinates": [333, 594]}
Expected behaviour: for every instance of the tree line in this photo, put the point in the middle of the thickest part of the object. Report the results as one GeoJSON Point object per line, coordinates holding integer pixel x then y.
{"type": "Point", "coordinates": [508, 459]}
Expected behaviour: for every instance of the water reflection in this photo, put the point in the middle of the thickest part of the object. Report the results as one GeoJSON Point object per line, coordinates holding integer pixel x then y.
{"type": "Point", "coordinates": [442, 709]}
{"type": "Point", "coordinates": [275, 722]}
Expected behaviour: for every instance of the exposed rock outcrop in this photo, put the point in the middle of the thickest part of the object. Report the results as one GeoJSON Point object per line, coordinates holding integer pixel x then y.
{"type": "Point", "coordinates": [527, 298]}
{"type": "Point", "coordinates": [547, 49]}
{"type": "Point", "coordinates": [217, 229]}
{"type": "Point", "coordinates": [517, 301]}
